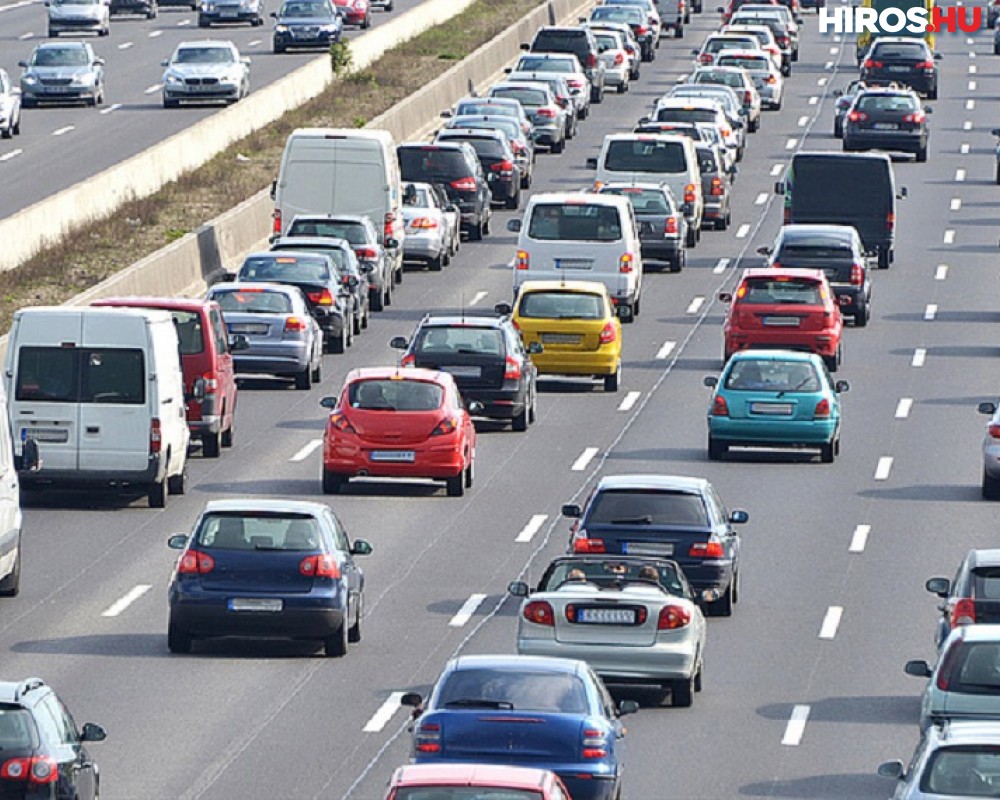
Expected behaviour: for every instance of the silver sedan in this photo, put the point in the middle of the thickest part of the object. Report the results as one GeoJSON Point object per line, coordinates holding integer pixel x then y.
{"type": "Point", "coordinates": [431, 232]}
{"type": "Point", "coordinates": [205, 71]}
{"type": "Point", "coordinates": [991, 452]}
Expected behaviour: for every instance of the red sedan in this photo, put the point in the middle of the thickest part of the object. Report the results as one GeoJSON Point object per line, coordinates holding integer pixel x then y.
{"type": "Point", "coordinates": [784, 309]}
{"type": "Point", "coordinates": [455, 780]}
{"type": "Point", "coordinates": [399, 423]}
{"type": "Point", "coordinates": [356, 12]}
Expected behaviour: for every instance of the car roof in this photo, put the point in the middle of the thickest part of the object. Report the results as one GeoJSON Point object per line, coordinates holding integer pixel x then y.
{"type": "Point", "coordinates": [287, 254]}
{"type": "Point", "coordinates": [493, 775]}
{"type": "Point", "coordinates": [573, 198]}
{"type": "Point", "coordinates": [208, 43]}
{"type": "Point", "coordinates": [472, 133]}
{"type": "Point", "coordinates": [969, 732]}
{"type": "Point", "coordinates": [982, 632]}
{"type": "Point", "coordinates": [673, 483]}
{"type": "Point", "coordinates": [328, 218]}
{"type": "Point", "coordinates": [14, 691]}
{"type": "Point", "coordinates": [396, 373]}
{"type": "Point", "coordinates": [687, 102]}
{"type": "Point", "coordinates": [582, 287]}
{"type": "Point", "coordinates": [803, 230]}
{"type": "Point", "coordinates": [645, 137]}
{"type": "Point", "coordinates": [519, 85]}
{"type": "Point", "coordinates": [61, 44]}
{"type": "Point", "coordinates": [647, 185]}
{"type": "Point", "coordinates": [899, 40]}
{"type": "Point", "coordinates": [987, 557]}
{"type": "Point", "coordinates": [257, 286]}
{"type": "Point", "coordinates": [776, 355]}
{"type": "Point", "coordinates": [743, 52]}
{"type": "Point", "coordinates": [456, 146]}
{"type": "Point", "coordinates": [565, 666]}
{"type": "Point", "coordinates": [463, 321]}
{"type": "Point", "coordinates": [791, 272]}
{"type": "Point", "coordinates": [265, 504]}
{"type": "Point", "coordinates": [166, 303]}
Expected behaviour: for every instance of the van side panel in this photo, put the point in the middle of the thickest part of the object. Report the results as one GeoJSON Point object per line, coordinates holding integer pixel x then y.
{"type": "Point", "coordinates": [10, 504]}
{"type": "Point", "coordinates": [167, 388]}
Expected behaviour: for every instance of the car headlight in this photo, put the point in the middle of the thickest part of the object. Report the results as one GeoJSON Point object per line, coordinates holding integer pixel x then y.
{"type": "Point", "coordinates": [172, 79]}
{"type": "Point", "coordinates": [84, 78]}
{"type": "Point", "coordinates": [281, 29]}
{"type": "Point", "coordinates": [29, 80]}
{"type": "Point", "coordinates": [329, 28]}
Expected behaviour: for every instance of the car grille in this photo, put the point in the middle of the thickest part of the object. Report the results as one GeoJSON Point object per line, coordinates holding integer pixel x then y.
{"type": "Point", "coordinates": [56, 81]}
{"type": "Point", "coordinates": [201, 81]}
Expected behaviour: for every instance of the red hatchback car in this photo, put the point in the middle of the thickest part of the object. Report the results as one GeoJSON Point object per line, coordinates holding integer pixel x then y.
{"type": "Point", "coordinates": [460, 781]}
{"type": "Point", "coordinates": [784, 309]}
{"type": "Point", "coordinates": [356, 12]}
{"type": "Point", "coordinates": [399, 423]}
{"type": "Point", "coordinates": [205, 357]}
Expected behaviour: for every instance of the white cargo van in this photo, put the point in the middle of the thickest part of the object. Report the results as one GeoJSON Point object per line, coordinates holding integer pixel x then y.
{"type": "Point", "coordinates": [655, 158]}
{"type": "Point", "coordinates": [343, 171]}
{"type": "Point", "coordinates": [581, 237]}
{"type": "Point", "coordinates": [101, 392]}
{"type": "Point", "coordinates": [10, 507]}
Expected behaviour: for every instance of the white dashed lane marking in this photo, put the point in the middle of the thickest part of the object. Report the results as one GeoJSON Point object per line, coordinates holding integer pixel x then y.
{"type": "Point", "coordinates": [930, 313]}
{"type": "Point", "coordinates": [155, 34]}
{"type": "Point", "coordinates": [466, 611]}
{"type": "Point", "coordinates": [629, 401]}
{"type": "Point", "coordinates": [821, 82]}
{"type": "Point", "coordinates": [796, 726]}
{"type": "Point", "coordinates": [813, 100]}
{"type": "Point", "coordinates": [970, 105]}
{"type": "Point", "coordinates": [949, 236]}
{"type": "Point", "coordinates": [919, 357]}
{"type": "Point", "coordinates": [967, 125]}
{"type": "Point", "coordinates": [972, 86]}
{"type": "Point", "coordinates": [791, 143]}
{"type": "Point", "coordinates": [253, 43]}
{"type": "Point", "coordinates": [964, 149]}
{"type": "Point", "coordinates": [761, 199]}
{"type": "Point", "coordinates": [956, 203]}
{"type": "Point", "coordinates": [126, 45]}
{"type": "Point", "coordinates": [883, 468]}
{"type": "Point", "coordinates": [25, 36]}
{"type": "Point", "coordinates": [307, 450]}
{"type": "Point", "coordinates": [478, 297]}
{"type": "Point", "coordinates": [11, 154]}
{"type": "Point", "coordinates": [803, 121]}
{"type": "Point", "coordinates": [665, 351]}
{"type": "Point", "coordinates": [719, 268]}
{"type": "Point", "coordinates": [385, 713]}
{"type": "Point", "coordinates": [695, 305]}
{"type": "Point", "coordinates": [585, 458]}
{"type": "Point", "coordinates": [828, 630]}
{"type": "Point", "coordinates": [742, 232]}
{"type": "Point", "coordinates": [63, 131]}
{"type": "Point", "coordinates": [528, 531]}
{"type": "Point", "coordinates": [903, 407]}
{"type": "Point", "coordinates": [122, 603]}
{"type": "Point", "coordinates": [972, 67]}
{"type": "Point", "coordinates": [153, 89]}
{"type": "Point", "coordinates": [776, 169]}
{"type": "Point", "coordinates": [941, 273]}
{"type": "Point", "coordinates": [859, 539]}
{"type": "Point", "coordinates": [959, 175]}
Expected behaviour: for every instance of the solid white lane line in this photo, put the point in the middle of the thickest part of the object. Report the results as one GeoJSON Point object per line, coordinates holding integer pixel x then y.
{"type": "Point", "coordinates": [25, 36]}
{"type": "Point", "coordinates": [696, 305]}
{"type": "Point", "coordinates": [941, 272]}
{"type": "Point", "coordinates": [859, 539]}
{"type": "Point", "coordinates": [964, 149]}
{"type": "Point", "coordinates": [629, 401]}
{"type": "Point", "coordinates": [972, 67]}
{"type": "Point", "coordinates": [791, 143]}
{"type": "Point", "coordinates": [813, 100]}
{"type": "Point", "coordinates": [970, 105]}
{"type": "Point", "coordinates": [919, 357]}
{"type": "Point", "coordinates": [665, 351]}
{"type": "Point", "coordinates": [585, 458]}
{"type": "Point", "coordinates": [972, 54]}
{"type": "Point", "coordinates": [967, 125]}
{"type": "Point", "coordinates": [796, 726]}
{"type": "Point", "coordinates": [949, 236]}
{"type": "Point", "coordinates": [254, 43]}
{"type": "Point", "coordinates": [153, 89]}
{"type": "Point", "coordinates": [306, 450]}
{"type": "Point", "coordinates": [467, 610]}
{"type": "Point", "coordinates": [385, 712]}
{"type": "Point", "coordinates": [761, 199]}
{"type": "Point", "coordinates": [126, 45]}
{"type": "Point", "coordinates": [803, 121]}
{"type": "Point", "coordinates": [155, 34]}
{"type": "Point", "coordinates": [528, 531]}
{"type": "Point", "coordinates": [65, 130]}
{"type": "Point", "coordinates": [828, 630]}
{"type": "Point", "coordinates": [956, 203]}
{"type": "Point", "coordinates": [11, 154]}
{"type": "Point", "coordinates": [742, 232]}
{"type": "Point", "coordinates": [479, 296]}
{"type": "Point", "coordinates": [110, 109]}
{"type": "Point", "coordinates": [719, 268]}
{"type": "Point", "coordinates": [959, 175]}
{"type": "Point", "coordinates": [930, 312]}
{"type": "Point", "coordinates": [972, 86]}
{"type": "Point", "coordinates": [776, 169]}
{"type": "Point", "coordinates": [883, 468]}
{"type": "Point", "coordinates": [130, 597]}
{"type": "Point", "coordinates": [903, 407]}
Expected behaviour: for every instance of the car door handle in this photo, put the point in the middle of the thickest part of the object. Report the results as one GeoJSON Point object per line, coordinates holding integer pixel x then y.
{"type": "Point", "coordinates": [93, 429]}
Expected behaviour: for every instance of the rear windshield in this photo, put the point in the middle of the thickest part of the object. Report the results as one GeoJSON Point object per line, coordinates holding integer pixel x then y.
{"type": "Point", "coordinates": [472, 108]}
{"type": "Point", "coordinates": [729, 43]}
{"type": "Point", "coordinates": [530, 63]}
{"type": "Point", "coordinates": [432, 164]}
{"type": "Point", "coordinates": [647, 507]}
{"type": "Point", "coordinates": [820, 186]}
{"type": "Point", "coordinates": [780, 291]}
{"type": "Point", "coordinates": [773, 376]}
{"type": "Point", "coordinates": [564, 41]}
{"type": "Point", "coordinates": [81, 375]}
{"type": "Point", "coordinates": [190, 333]}
{"type": "Point", "coordinates": [644, 201]}
{"type": "Point", "coordinates": [608, 574]}
{"type": "Point", "coordinates": [905, 50]}
{"type": "Point", "coordinates": [747, 62]}
{"type": "Point", "coordinates": [975, 668]}
{"type": "Point", "coordinates": [252, 301]}
{"type": "Point", "coordinates": [627, 14]}
{"type": "Point", "coordinates": [645, 155]}
{"type": "Point", "coordinates": [561, 305]}
{"type": "Point", "coordinates": [417, 197]}
{"type": "Point", "coordinates": [529, 98]}
{"type": "Point", "coordinates": [734, 79]}
{"type": "Point", "coordinates": [607, 41]}
{"type": "Point", "coordinates": [986, 583]}
{"type": "Point", "coordinates": [519, 690]}
{"type": "Point", "coordinates": [806, 251]}
{"type": "Point", "coordinates": [337, 256]}
{"type": "Point", "coordinates": [685, 115]}
{"type": "Point", "coordinates": [459, 341]}
{"type": "Point", "coordinates": [708, 160]}
{"type": "Point", "coordinates": [887, 102]}
{"type": "Point", "coordinates": [353, 232]}
{"type": "Point", "coordinates": [491, 148]}
{"type": "Point", "coordinates": [962, 771]}
{"type": "Point", "coordinates": [16, 728]}
{"type": "Point", "coordinates": [285, 269]}
{"type": "Point", "coordinates": [257, 531]}
{"type": "Point", "coordinates": [464, 793]}
{"type": "Point", "coordinates": [577, 222]}
{"type": "Point", "coordinates": [395, 395]}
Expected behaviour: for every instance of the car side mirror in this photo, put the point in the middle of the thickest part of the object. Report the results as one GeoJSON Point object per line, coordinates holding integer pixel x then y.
{"type": "Point", "coordinates": [398, 343]}
{"type": "Point", "coordinates": [591, 163]}
{"type": "Point", "coordinates": [178, 541]}
{"type": "Point", "coordinates": [918, 669]}
{"type": "Point", "coordinates": [995, 131]}
{"type": "Point", "coordinates": [626, 707]}
{"type": "Point", "coordinates": [452, 208]}
{"type": "Point", "coordinates": [687, 209]}
{"type": "Point", "coordinates": [642, 121]}
{"type": "Point", "coordinates": [721, 10]}
{"type": "Point", "coordinates": [328, 402]}
{"type": "Point", "coordinates": [446, 114]}
{"type": "Point", "coordinates": [274, 189]}
{"type": "Point", "coordinates": [98, 62]}
{"type": "Point", "coordinates": [475, 407]}
{"type": "Point", "coordinates": [694, 51]}
{"type": "Point", "coordinates": [198, 390]}
{"type": "Point", "coordinates": [779, 187]}
{"type": "Point", "coordinates": [514, 225]}
{"type": "Point", "coordinates": [245, 60]}
{"type": "Point", "coordinates": [525, 46]}
{"type": "Point", "coordinates": [392, 243]}
{"type": "Point", "coordinates": [361, 547]}
{"type": "Point", "coordinates": [624, 313]}
{"type": "Point", "coordinates": [162, 63]}
{"type": "Point", "coordinates": [892, 769]}
{"type": "Point", "coordinates": [707, 596]}
{"type": "Point", "coordinates": [572, 510]}
{"type": "Point", "coordinates": [274, 15]}
{"type": "Point", "coordinates": [535, 348]}
{"type": "Point", "coordinates": [987, 408]}
{"type": "Point", "coordinates": [928, 110]}
{"type": "Point", "coordinates": [517, 588]}
{"type": "Point", "coordinates": [838, 92]}
{"type": "Point", "coordinates": [502, 308]}
{"type": "Point", "coordinates": [841, 386]}
{"type": "Point", "coordinates": [238, 342]}
{"type": "Point", "coordinates": [508, 70]}
{"type": "Point", "coordinates": [711, 381]}
{"type": "Point", "coordinates": [92, 732]}
{"type": "Point", "coordinates": [937, 56]}
{"type": "Point", "coordinates": [739, 516]}
{"type": "Point", "coordinates": [764, 251]}
{"type": "Point", "coordinates": [725, 297]}
{"type": "Point", "coordinates": [903, 193]}
{"type": "Point", "coordinates": [939, 586]}
{"type": "Point", "coordinates": [411, 699]}
{"type": "Point", "coordinates": [352, 282]}
{"type": "Point", "coordinates": [23, 64]}
{"type": "Point", "coordinates": [227, 277]}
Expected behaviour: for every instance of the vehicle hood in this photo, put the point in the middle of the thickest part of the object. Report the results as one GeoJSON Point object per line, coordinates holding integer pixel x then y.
{"type": "Point", "coordinates": [204, 70]}
{"type": "Point", "coordinates": [76, 12]}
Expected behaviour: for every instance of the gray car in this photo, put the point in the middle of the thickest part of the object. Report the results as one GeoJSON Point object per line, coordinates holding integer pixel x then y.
{"type": "Point", "coordinates": [212, 11]}
{"type": "Point", "coordinates": [991, 452]}
{"type": "Point", "coordinates": [565, 64]}
{"type": "Point", "coordinates": [550, 120]}
{"type": "Point", "coordinates": [10, 107]}
{"type": "Point", "coordinates": [663, 228]}
{"type": "Point", "coordinates": [62, 72]}
{"type": "Point", "coordinates": [283, 337]}
{"type": "Point", "coordinates": [79, 16]}
{"type": "Point", "coordinates": [432, 231]}
{"type": "Point", "coordinates": [560, 91]}
{"type": "Point", "coordinates": [205, 71]}
{"type": "Point", "coordinates": [716, 187]}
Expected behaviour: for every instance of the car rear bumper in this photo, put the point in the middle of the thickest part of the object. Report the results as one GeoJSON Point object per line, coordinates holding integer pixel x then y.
{"type": "Point", "coordinates": [218, 16]}
{"type": "Point", "coordinates": [660, 249]}
{"type": "Point", "coordinates": [498, 403]}
{"type": "Point", "coordinates": [616, 76]}
{"type": "Point", "coordinates": [821, 342]}
{"type": "Point", "coordinates": [422, 246]}
{"type": "Point", "coordinates": [154, 471]}
{"type": "Point", "coordinates": [547, 134]}
{"type": "Point", "coordinates": [626, 663]}
{"type": "Point", "coordinates": [308, 617]}
{"type": "Point", "coordinates": [770, 432]}
{"type": "Point", "coordinates": [886, 140]}
{"type": "Point", "coordinates": [275, 363]}
{"type": "Point", "coordinates": [205, 425]}
{"type": "Point", "coordinates": [603, 361]}
{"type": "Point", "coordinates": [350, 459]}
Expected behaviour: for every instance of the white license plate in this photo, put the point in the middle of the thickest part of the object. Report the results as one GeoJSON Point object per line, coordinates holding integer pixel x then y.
{"type": "Point", "coordinates": [787, 322]}
{"type": "Point", "coordinates": [573, 263]}
{"type": "Point", "coordinates": [464, 372]}
{"type": "Point", "coordinates": [560, 338]}
{"type": "Point", "coordinates": [248, 327]}
{"type": "Point", "coordinates": [58, 89]}
{"type": "Point", "coordinates": [256, 604]}
{"type": "Point", "coordinates": [607, 616]}
{"type": "Point", "coordinates": [649, 548]}
{"type": "Point", "coordinates": [229, 14]}
{"type": "Point", "coordinates": [899, 69]}
{"type": "Point", "coordinates": [771, 409]}
{"type": "Point", "coordinates": [393, 455]}
{"type": "Point", "coordinates": [886, 126]}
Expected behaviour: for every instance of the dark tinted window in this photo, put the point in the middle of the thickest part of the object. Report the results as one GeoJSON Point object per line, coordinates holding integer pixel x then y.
{"type": "Point", "coordinates": [395, 395]}
{"type": "Point", "coordinates": [562, 41]}
{"type": "Point", "coordinates": [524, 691]}
{"type": "Point", "coordinates": [828, 184]}
{"type": "Point", "coordinates": [432, 164]}
{"type": "Point", "coordinates": [530, 63]}
{"type": "Point", "coordinates": [901, 50]}
{"type": "Point", "coordinates": [644, 201]}
{"type": "Point", "coordinates": [252, 301]}
{"type": "Point", "coordinates": [491, 148]}
{"type": "Point", "coordinates": [780, 291]}
{"type": "Point", "coordinates": [294, 10]}
{"type": "Point", "coordinates": [561, 305]}
{"type": "Point", "coordinates": [734, 79]}
{"type": "Point", "coordinates": [976, 669]}
{"type": "Point", "coordinates": [353, 232]}
{"type": "Point", "coordinates": [285, 269]}
{"type": "Point", "coordinates": [529, 98]}
{"type": "Point", "coordinates": [113, 376]}
{"type": "Point", "coordinates": [626, 14]}
{"type": "Point", "coordinates": [459, 340]}
{"type": "Point", "coordinates": [962, 771]}
{"type": "Point", "coordinates": [55, 374]}
{"type": "Point", "coordinates": [685, 115]}
{"type": "Point", "coordinates": [748, 63]}
{"type": "Point", "coordinates": [647, 506]}
{"type": "Point", "coordinates": [190, 332]}
{"type": "Point", "coordinates": [577, 222]}
{"type": "Point", "coordinates": [47, 374]}
{"type": "Point", "coordinates": [257, 531]}
{"type": "Point", "coordinates": [986, 583]}
{"type": "Point", "coordinates": [472, 107]}
{"type": "Point", "coordinates": [16, 728]}
{"type": "Point", "coordinates": [773, 376]}
{"type": "Point", "coordinates": [901, 103]}
{"type": "Point", "coordinates": [729, 43]}
{"type": "Point", "coordinates": [645, 155]}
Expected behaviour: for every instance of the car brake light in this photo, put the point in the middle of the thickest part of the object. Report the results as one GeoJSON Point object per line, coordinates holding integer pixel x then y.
{"type": "Point", "coordinates": [747, 97]}
{"type": "Point", "coordinates": [574, 83]}
{"type": "Point", "coordinates": [522, 260]}
{"type": "Point", "coordinates": [994, 431]}
{"type": "Point", "coordinates": [890, 221]}
{"type": "Point", "coordinates": [512, 370]}
{"type": "Point", "coordinates": [619, 59]}
{"type": "Point", "coordinates": [428, 738]}
{"type": "Point", "coordinates": [585, 545]}
{"type": "Point", "coordinates": [591, 60]}
{"type": "Point", "coordinates": [445, 427]}
{"type": "Point", "coordinates": [366, 253]}
{"type": "Point", "coordinates": [822, 409]}
{"type": "Point", "coordinates": [423, 223]}
{"type": "Point", "coordinates": [155, 435]}
{"type": "Point", "coordinates": [211, 382]}
{"type": "Point", "coordinates": [323, 298]}
{"type": "Point", "coordinates": [717, 189]}
{"type": "Point", "coordinates": [294, 324]}
{"type": "Point", "coordinates": [504, 167]}
{"type": "Point", "coordinates": [408, 360]}
{"type": "Point", "coordinates": [276, 222]}
{"type": "Point", "coordinates": [709, 549]}
{"type": "Point", "coordinates": [195, 562]}
{"type": "Point", "coordinates": [857, 116]}
{"type": "Point", "coordinates": [548, 113]}
{"type": "Point", "coordinates": [925, 65]}
{"type": "Point", "coordinates": [963, 612]}
{"type": "Point", "coordinates": [672, 617]}
{"type": "Point", "coordinates": [705, 58]}
{"type": "Point", "coordinates": [595, 743]}
{"type": "Point", "coordinates": [720, 408]}
{"type": "Point", "coordinates": [916, 118]}
{"type": "Point", "coordinates": [787, 216]}
{"type": "Point", "coordinates": [670, 225]}
{"type": "Point", "coordinates": [642, 30]}
{"type": "Point", "coordinates": [464, 184]}
{"type": "Point", "coordinates": [387, 223]}
{"type": "Point", "coordinates": [689, 193]}
{"type": "Point", "coordinates": [320, 566]}
{"type": "Point", "coordinates": [39, 769]}
{"type": "Point", "coordinates": [857, 275]}
{"type": "Point", "coordinates": [540, 612]}
{"type": "Point", "coordinates": [625, 263]}
{"type": "Point", "coordinates": [608, 333]}
{"type": "Point", "coordinates": [872, 64]}
{"type": "Point", "coordinates": [341, 423]}
{"type": "Point", "coordinates": [945, 667]}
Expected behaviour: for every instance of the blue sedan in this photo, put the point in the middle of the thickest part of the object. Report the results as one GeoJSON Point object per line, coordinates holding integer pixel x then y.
{"type": "Point", "coordinates": [775, 398]}
{"type": "Point", "coordinates": [547, 713]}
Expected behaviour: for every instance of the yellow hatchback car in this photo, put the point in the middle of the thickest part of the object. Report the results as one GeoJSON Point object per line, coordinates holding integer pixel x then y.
{"type": "Point", "coordinates": [577, 327]}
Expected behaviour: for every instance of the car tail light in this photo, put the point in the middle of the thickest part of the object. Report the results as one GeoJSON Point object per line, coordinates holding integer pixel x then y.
{"type": "Point", "coordinates": [548, 113]}
{"type": "Point", "coordinates": [771, 79]}
{"type": "Point", "coordinates": [574, 83]}
{"type": "Point", "coordinates": [916, 117]}
{"type": "Point", "coordinates": [540, 612]}
{"type": "Point", "coordinates": [689, 193]}
{"type": "Point", "coordinates": [155, 435]}
{"type": "Point", "coordinates": [504, 167]}
{"type": "Point", "coordinates": [517, 147]}
{"type": "Point", "coordinates": [710, 549]}
{"type": "Point", "coordinates": [276, 222]}
{"type": "Point", "coordinates": [39, 769]}
{"type": "Point", "coordinates": [619, 59]}
{"type": "Point", "coordinates": [320, 566]}
{"type": "Point", "coordinates": [890, 222]}
{"type": "Point", "coordinates": [626, 263]}
{"type": "Point", "coordinates": [994, 431]}
{"type": "Point", "coordinates": [857, 275]}
{"type": "Point", "coordinates": [585, 545]}
{"type": "Point", "coordinates": [211, 382]}
{"type": "Point", "coordinates": [672, 617]}
{"type": "Point", "coordinates": [670, 225]}
{"type": "Point", "coordinates": [717, 189]}
{"type": "Point", "coordinates": [642, 30]}
{"type": "Point", "coordinates": [408, 360]}
{"type": "Point", "coordinates": [963, 612]}
{"type": "Point", "coordinates": [445, 427]}
{"type": "Point", "coordinates": [946, 666]}
{"type": "Point", "coordinates": [341, 423]}
{"type": "Point", "coordinates": [928, 65]}
{"type": "Point", "coordinates": [720, 408]}
{"type": "Point", "coordinates": [782, 41]}
{"type": "Point", "coordinates": [387, 224]}
{"type": "Point", "coordinates": [512, 369]}
{"type": "Point", "coordinates": [323, 298]}
{"type": "Point", "coordinates": [595, 743]}
{"type": "Point", "coordinates": [822, 409]}
{"type": "Point", "coordinates": [857, 116]}
{"type": "Point", "coordinates": [522, 260]}
{"type": "Point", "coordinates": [608, 333]}
{"type": "Point", "coordinates": [428, 738]}
{"type": "Point", "coordinates": [295, 325]}
{"type": "Point", "coordinates": [465, 184]}
{"type": "Point", "coordinates": [366, 253]}
{"type": "Point", "coordinates": [871, 63]}
{"type": "Point", "coordinates": [747, 97]}
{"type": "Point", "coordinates": [591, 60]}
{"type": "Point", "coordinates": [706, 58]}
{"type": "Point", "coordinates": [423, 223]}
{"type": "Point", "coordinates": [787, 216]}
{"type": "Point", "coordinates": [195, 562]}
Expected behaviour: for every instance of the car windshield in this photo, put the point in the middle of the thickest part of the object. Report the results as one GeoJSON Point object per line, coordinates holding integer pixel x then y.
{"type": "Point", "coordinates": [204, 55]}
{"type": "Point", "coordinates": [252, 301]}
{"type": "Point", "coordinates": [962, 771]}
{"type": "Point", "coordinates": [522, 690]}
{"type": "Point", "coordinates": [607, 41]}
{"type": "Point", "coordinates": [257, 530]}
{"type": "Point", "coordinates": [392, 394]}
{"type": "Point", "coordinates": [578, 222]}
{"type": "Point", "coordinates": [646, 154]}
{"type": "Point", "coordinates": [532, 63]}
{"type": "Point", "coordinates": [459, 340]}
{"type": "Point", "coordinates": [60, 57]}
{"type": "Point", "coordinates": [16, 728]}
{"type": "Point", "coordinates": [299, 10]}
{"type": "Point", "coordinates": [529, 98]}
{"type": "Point", "coordinates": [353, 232]}
{"type": "Point", "coordinates": [561, 305]}
{"type": "Point", "coordinates": [483, 145]}
{"type": "Point", "coordinates": [675, 114]}
{"type": "Point", "coordinates": [647, 507]}
{"type": "Point", "coordinates": [728, 43]}
{"type": "Point", "coordinates": [465, 793]}
{"type": "Point", "coordinates": [735, 79]}
{"type": "Point", "coordinates": [470, 107]}
{"type": "Point", "coordinates": [780, 291]}
{"type": "Point", "coordinates": [285, 269]}
{"type": "Point", "coordinates": [753, 374]}
{"type": "Point", "coordinates": [610, 573]}
{"type": "Point", "coordinates": [976, 669]}
{"type": "Point", "coordinates": [644, 201]}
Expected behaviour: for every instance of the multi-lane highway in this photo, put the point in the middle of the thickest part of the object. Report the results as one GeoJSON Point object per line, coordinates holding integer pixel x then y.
{"type": "Point", "coordinates": [804, 690]}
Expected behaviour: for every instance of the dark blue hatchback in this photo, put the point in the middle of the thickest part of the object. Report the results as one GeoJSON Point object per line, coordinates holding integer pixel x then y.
{"type": "Point", "coordinates": [546, 713]}
{"type": "Point", "coordinates": [275, 569]}
{"type": "Point", "coordinates": [306, 23]}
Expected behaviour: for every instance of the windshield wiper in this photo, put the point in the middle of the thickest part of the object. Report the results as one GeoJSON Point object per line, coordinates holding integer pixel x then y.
{"type": "Point", "coordinates": [794, 388]}
{"type": "Point", "coordinates": [645, 519]}
{"type": "Point", "coordinates": [479, 702]}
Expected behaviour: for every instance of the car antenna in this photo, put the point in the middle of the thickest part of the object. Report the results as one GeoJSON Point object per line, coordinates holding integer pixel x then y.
{"type": "Point", "coordinates": [462, 296]}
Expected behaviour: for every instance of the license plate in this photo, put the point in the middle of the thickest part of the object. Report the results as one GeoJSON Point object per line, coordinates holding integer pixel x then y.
{"type": "Point", "coordinates": [393, 455]}
{"type": "Point", "coordinates": [573, 263]}
{"type": "Point", "coordinates": [648, 548]}
{"type": "Point", "coordinates": [560, 338]}
{"type": "Point", "coordinates": [248, 327]}
{"type": "Point", "coordinates": [886, 126]}
{"type": "Point", "coordinates": [58, 89]}
{"type": "Point", "coordinates": [256, 604]}
{"type": "Point", "coordinates": [607, 616]}
{"type": "Point", "coordinates": [771, 409]}
{"type": "Point", "coordinates": [787, 322]}
{"type": "Point", "coordinates": [464, 372]}
{"type": "Point", "coordinates": [51, 435]}
{"type": "Point", "coordinates": [899, 69]}
{"type": "Point", "coordinates": [229, 14]}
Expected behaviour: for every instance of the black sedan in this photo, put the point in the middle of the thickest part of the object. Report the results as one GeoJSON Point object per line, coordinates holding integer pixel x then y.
{"type": "Point", "coordinates": [903, 60]}
{"type": "Point", "coordinates": [503, 172]}
{"type": "Point", "coordinates": [887, 119]}
{"type": "Point", "coordinates": [306, 23]}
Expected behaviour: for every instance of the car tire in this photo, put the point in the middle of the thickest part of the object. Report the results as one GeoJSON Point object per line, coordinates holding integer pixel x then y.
{"type": "Point", "coordinates": [303, 380]}
{"type": "Point", "coordinates": [884, 259]}
{"type": "Point", "coordinates": [375, 298]}
{"type": "Point", "coordinates": [833, 362]}
{"type": "Point", "coordinates": [436, 263]}
{"type": "Point", "coordinates": [335, 646]}
{"type": "Point", "coordinates": [828, 451]}
{"type": "Point", "coordinates": [16, 127]}
{"type": "Point", "coordinates": [11, 584]}
{"type": "Point", "coordinates": [170, 103]}
{"type": "Point", "coordinates": [678, 33]}
{"type": "Point", "coordinates": [338, 345]}
{"type": "Point", "coordinates": [862, 316]}
{"type": "Point", "coordinates": [278, 49]}
{"type": "Point", "coordinates": [991, 487]}
{"type": "Point", "coordinates": [613, 381]}
{"type": "Point", "coordinates": [157, 494]}
{"type": "Point", "coordinates": [519, 422]}
{"type": "Point", "coordinates": [699, 677]}
{"type": "Point", "coordinates": [996, 50]}
{"type": "Point", "coordinates": [476, 232]}
{"type": "Point", "coordinates": [229, 434]}
{"type": "Point", "coordinates": [753, 125]}
{"type": "Point", "coordinates": [838, 128]}
{"type": "Point", "coordinates": [456, 485]}
{"type": "Point", "coordinates": [470, 473]}
{"type": "Point", "coordinates": [211, 445]}
{"type": "Point", "coordinates": [354, 632]}
{"type": "Point", "coordinates": [533, 408]}
{"type": "Point", "coordinates": [203, 23]}
{"type": "Point", "coordinates": [558, 147]}
{"type": "Point", "coordinates": [692, 237]}
{"type": "Point", "coordinates": [178, 640]}
{"type": "Point", "coordinates": [678, 261]}
{"type": "Point", "coordinates": [921, 155]}
{"type": "Point", "coordinates": [682, 692]}
{"type": "Point", "coordinates": [53, 34]}
{"type": "Point", "coordinates": [933, 93]}
{"type": "Point", "coordinates": [333, 482]}
{"type": "Point", "coordinates": [721, 224]}
{"type": "Point", "coordinates": [716, 449]}
{"type": "Point", "coordinates": [8, 132]}
{"type": "Point", "coordinates": [511, 203]}
{"type": "Point", "coordinates": [177, 484]}
{"type": "Point", "coordinates": [723, 607]}
{"type": "Point", "coordinates": [317, 373]}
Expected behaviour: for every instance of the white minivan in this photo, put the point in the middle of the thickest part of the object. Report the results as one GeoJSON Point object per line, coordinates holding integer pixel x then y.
{"type": "Point", "coordinates": [581, 237]}
{"type": "Point", "coordinates": [10, 505]}
{"type": "Point", "coordinates": [342, 171]}
{"type": "Point", "coordinates": [100, 390]}
{"type": "Point", "coordinates": [655, 158]}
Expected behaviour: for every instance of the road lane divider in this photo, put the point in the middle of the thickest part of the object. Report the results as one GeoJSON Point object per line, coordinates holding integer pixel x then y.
{"type": "Point", "coordinates": [528, 531]}
{"type": "Point", "coordinates": [930, 313]}
{"type": "Point", "coordinates": [959, 175]}
{"type": "Point", "coordinates": [831, 622]}
{"type": "Point", "coordinates": [903, 407]}
{"type": "Point", "coordinates": [695, 306]}
{"type": "Point", "coordinates": [791, 144]}
{"type": "Point", "coordinates": [859, 539]}
{"type": "Point", "coordinates": [796, 727]}
{"type": "Point", "coordinates": [477, 298]}
{"type": "Point", "coordinates": [64, 130]}
{"type": "Point", "coordinates": [972, 86]}
{"type": "Point", "coordinates": [956, 203]}
{"type": "Point", "coordinates": [466, 611]}
{"type": "Point", "coordinates": [629, 401]}
{"type": "Point", "coordinates": [385, 712]}
{"type": "Point", "coordinates": [126, 45]}
{"type": "Point", "coordinates": [941, 272]}
{"type": "Point", "coordinates": [742, 231]}
{"type": "Point", "coordinates": [919, 357]}
{"type": "Point", "coordinates": [124, 602]}
{"type": "Point", "coordinates": [883, 468]}
{"type": "Point", "coordinates": [585, 458]}
{"type": "Point", "coordinates": [761, 199]}
{"type": "Point", "coordinates": [307, 450]}
{"type": "Point", "coordinates": [803, 121]}
{"type": "Point", "coordinates": [665, 350]}
{"type": "Point", "coordinates": [964, 149]}
{"type": "Point", "coordinates": [970, 105]}
{"type": "Point", "coordinates": [719, 268]}
{"type": "Point", "coordinates": [776, 169]}
{"type": "Point", "coordinates": [12, 154]}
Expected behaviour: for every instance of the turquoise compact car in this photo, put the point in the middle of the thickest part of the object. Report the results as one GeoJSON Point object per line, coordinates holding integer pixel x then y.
{"type": "Point", "coordinates": [775, 398]}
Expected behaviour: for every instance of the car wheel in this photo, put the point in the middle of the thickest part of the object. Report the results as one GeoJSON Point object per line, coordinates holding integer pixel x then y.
{"type": "Point", "coordinates": [754, 125]}
{"type": "Point", "coordinates": [612, 381]}
{"type": "Point", "coordinates": [723, 607]}
{"type": "Point", "coordinates": [921, 155]}
{"type": "Point", "coordinates": [476, 232]}
{"type": "Point", "coordinates": [335, 646]}
{"type": "Point", "coordinates": [722, 223]}
{"type": "Point", "coordinates": [178, 639]}
{"type": "Point", "coordinates": [456, 485]}
{"type": "Point", "coordinates": [8, 132]}
{"type": "Point", "coordinates": [170, 103]}
{"type": "Point", "coordinates": [16, 127]}
{"type": "Point", "coordinates": [623, 87]}
{"type": "Point", "coordinates": [519, 422]}
{"type": "Point", "coordinates": [838, 128]}
{"type": "Point", "coordinates": [332, 482]}
{"type": "Point", "coordinates": [317, 373]}
{"type": "Point", "coordinates": [678, 261]}
{"type": "Point", "coordinates": [354, 632]}
{"type": "Point", "coordinates": [716, 449]}
{"type": "Point", "coordinates": [861, 318]}
{"type": "Point", "coordinates": [558, 147]}
{"type": "Point", "coordinates": [53, 34]}
{"type": "Point", "coordinates": [692, 237]}
{"type": "Point", "coordinates": [533, 409]}
{"type": "Point", "coordinates": [828, 452]}
{"type": "Point", "coordinates": [229, 435]}
{"type": "Point", "coordinates": [387, 297]}
{"type": "Point", "coordinates": [304, 379]}
{"type": "Point", "coordinates": [375, 299]}
{"type": "Point", "coordinates": [933, 93]}
{"type": "Point", "coordinates": [436, 263]}
{"type": "Point", "coordinates": [470, 473]}
{"type": "Point", "coordinates": [278, 49]}
{"type": "Point", "coordinates": [682, 692]}
{"type": "Point", "coordinates": [211, 445]}
{"type": "Point", "coordinates": [991, 487]}
{"type": "Point", "coordinates": [177, 484]}
{"type": "Point", "coordinates": [11, 584]}
{"type": "Point", "coordinates": [203, 23]}
{"type": "Point", "coordinates": [511, 203]}
{"type": "Point", "coordinates": [884, 259]}
{"type": "Point", "coordinates": [699, 677]}
{"type": "Point", "coordinates": [678, 33]}
{"type": "Point", "coordinates": [338, 345]}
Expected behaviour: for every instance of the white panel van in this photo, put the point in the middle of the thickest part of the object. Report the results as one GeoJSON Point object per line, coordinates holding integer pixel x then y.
{"type": "Point", "coordinates": [101, 392]}
{"type": "Point", "coordinates": [10, 507]}
{"type": "Point", "coordinates": [342, 171]}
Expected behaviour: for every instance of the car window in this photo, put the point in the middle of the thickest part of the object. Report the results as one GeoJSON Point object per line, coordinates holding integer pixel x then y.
{"type": "Point", "coordinates": [645, 155]}
{"type": "Point", "coordinates": [339, 534]}
{"type": "Point", "coordinates": [252, 301]}
{"type": "Point", "coordinates": [900, 50]}
{"type": "Point", "coordinates": [780, 291]}
{"type": "Point", "coordinates": [108, 375]}
{"type": "Point", "coordinates": [976, 669]}
{"type": "Point", "coordinates": [417, 197]}
{"type": "Point", "coordinates": [747, 62]}
{"type": "Point", "coordinates": [392, 394]}
{"type": "Point", "coordinates": [986, 583]}
{"type": "Point", "coordinates": [257, 531]}
{"type": "Point", "coordinates": [773, 376]}
{"type": "Point", "coordinates": [962, 771]}
{"type": "Point", "coordinates": [459, 340]}
{"type": "Point", "coordinates": [219, 331]}
{"type": "Point", "coordinates": [644, 201]}
{"type": "Point", "coordinates": [483, 146]}
{"type": "Point", "coordinates": [647, 506]}
{"type": "Point", "coordinates": [887, 102]}
{"type": "Point", "coordinates": [285, 269]}
{"type": "Point", "coordinates": [523, 690]}
{"type": "Point", "coordinates": [561, 305]}
{"type": "Point", "coordinates": [352, 232]}
{"type": "Point", "coordinates": [471, 107]}
{"type": "Point", "coordinates": [529, 98]}
{"type": "Point", "coordinates": [432, 164]}
{"type": "Point", "coordinates": [532, 63]}
{"type": "Point", "coordinates": [60, 57]}
{"type": "Point", "coordinates": [190, 333]}
{"type": "Point", "coordinates": [580, 222]}
{"type": "Point", "coordinates": [295, 10]}
{"type": "Point", "coordinates": [16, 728]}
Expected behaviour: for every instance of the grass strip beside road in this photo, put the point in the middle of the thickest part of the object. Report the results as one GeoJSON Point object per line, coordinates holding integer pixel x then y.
{"type": "Point", "coordinates": [141, 227]}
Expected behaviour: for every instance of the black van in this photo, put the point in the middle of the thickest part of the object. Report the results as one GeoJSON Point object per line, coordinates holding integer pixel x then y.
{"type": "Point", "coordinates": [857, 189]}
